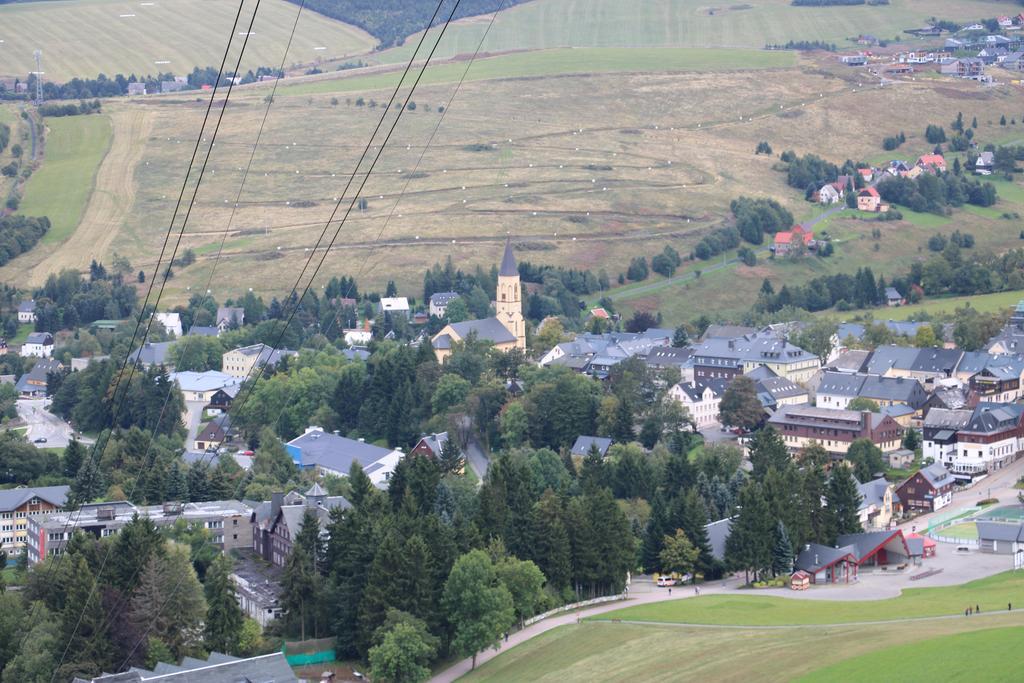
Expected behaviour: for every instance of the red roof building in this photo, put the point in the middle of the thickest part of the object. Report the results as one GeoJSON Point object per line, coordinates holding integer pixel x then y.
{"type": "Point", "coordinates": [784, 241]}
{"type": "Point", "coordinates": [936, 161]}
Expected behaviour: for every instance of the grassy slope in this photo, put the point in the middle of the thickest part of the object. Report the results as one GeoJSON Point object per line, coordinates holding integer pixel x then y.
{"type": "Point", "coordinates": [563, 61]}
{"type": "Point", "coordinates": [60, 189]}
{"type": "Point", "coordinates": [627, 652]}
{"type": "Point", "coordinates": [987, 303]}
{"type": "Point", "coordinates": [993, 655]}
{"type": "Point", "coordinates": [86, 38]}
{"type": "Point", "coordinates": [990, 593]}
{"type": "Point", "coordinates": [688, 23]}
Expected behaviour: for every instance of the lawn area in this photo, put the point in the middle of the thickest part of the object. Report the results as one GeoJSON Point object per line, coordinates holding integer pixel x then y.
{"type": "Point", "coordinates": [561, 61]}
{"type": "Point", "coordinates": [111, 36]}
{"type": "Point", "coordinates": [994, 656]}
{"type": "Point", "coordinates": [605, 651]}
{"type": "Point", "coordinates": [986, 303]}
{"type": "Point", "coordinates": [990, 593]}
{"type": "Point", "coordinates": [966, 530]}
{"type": "Point", "coordinates": [24, 329]}
{"type": "Point", "coordinates": [60, 189]}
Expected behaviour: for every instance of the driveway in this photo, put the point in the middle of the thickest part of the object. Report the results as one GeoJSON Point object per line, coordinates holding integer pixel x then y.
{"type": "Point", "coordinates": [193, 415]}
{"type": "Point", "coordinates": [42, 424]}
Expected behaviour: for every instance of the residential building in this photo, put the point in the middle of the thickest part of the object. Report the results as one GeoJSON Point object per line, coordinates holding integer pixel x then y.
{"type": "Point", "coordinates": [876, 503]}
{"type": "Point", "coordinates": [201, 386]}
{"type": "Point", "coordinates": [430, 445]}
{"type": "Point", "coordinates": [834, 429]}
{"type": "Point", "coordinates": [216, 433]}
{"type": "Point", "coordinates": [439, 303]}
{"type": "Point", "coordinates": [1000, 538]}
{"type": "Point", "coordinates": [27, 311]}
{"type": "Point", "coordinates": [1011, 339]}
{"type": "Point", "coordinates": [393, 305]}
{"type": "Point", "coordinates": [788, 240]}
{"type": "Point", "coordinates": [277, 522]}
{"type": "Point", "coordinates": [868, 199]}
{"type": "Point", "coordinates": [217, 668]}
{"type": "Point", "coordinates": [986, 160]}
{"type": "Point", "coordinates": [329, 453]}
{"type": "Point", "coordinates": [581, 447]}
{"type": "Point", "coordinates": [611, 348]}
{"type": "Point", "coordinates": [258, 588]}
{"type": "Point", "coordinates": [34, 382]}
{"type": "Point", "coordinates": [939, 433]}
{"type": "Point", "coordinates": [226, 520]}
{"type": "Point", "coordinates": [990, 441]}
{"type": "Point", "coordinates": [506, 330]}
{"type": "Point", "coordinates": [727, 358]}
{"type": "Point", "coordinates": [715, 331]}
{"type": "Point", "coordinates": [928, 490]}
{"type": "Point", "coordinates": [244, 362]}
{"type": "Point", "coordinates": [230, 317]}
{"type": "Point", "coordinates": [774, 391]}
{"type": "Point", "coordinates": [661, 357]}
{"type": "Point", "coordinates": [171, 322]}
{"type": "Point", "coordinates": [837, 390]}
{"type": "Point", "coordinates": [204, 331]}
{"type": "Point", "coordinates": [893, 297]}
{"type": "Point", "coordinates": [136, 89]}
{"type": "Point", "coordinates": [933, 161]}
{"type": "Point", "coordinates": [20, 505]}
{"type": "Point", "coordinates": [700, 400]}
{"type": "Point", "coordinates": [152, 353]}
{"type": "Point", "coordinates": [38, 344]}
{"type": "Point", "coordinates": [968, 67]}
{"type": "Point", "coordinates": [998, 383]}
{"type": "Point", "coordinates": [830, 194]}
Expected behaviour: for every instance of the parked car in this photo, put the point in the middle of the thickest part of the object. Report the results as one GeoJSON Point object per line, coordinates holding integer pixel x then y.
{"type": "Point", "coordinates": [664, 581]}
{"type": "Point", "coordinates": [41, 439]}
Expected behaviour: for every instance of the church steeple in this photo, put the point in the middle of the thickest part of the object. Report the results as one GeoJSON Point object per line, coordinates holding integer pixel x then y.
{"type": "Point", "coordinates": [509, 304]}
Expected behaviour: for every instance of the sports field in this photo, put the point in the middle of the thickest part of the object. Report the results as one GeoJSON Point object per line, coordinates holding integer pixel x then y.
{"type": "Point", "coordinates": [992, 593]}
{"type": "Point", "coordinates": [1008, 512]}
{"type": "Point", "coordinates": [990, 655]}
{"type": "Point", "coordinates": [85, 38]}
{"type": "Point", "coordinates": [75, 146]}
{"type": "Point", "coordinates": [562, 61]}
{"type": "Point", "coordinates": [690, 23]}
{"type": "Point", "coordinates": [604, 651]}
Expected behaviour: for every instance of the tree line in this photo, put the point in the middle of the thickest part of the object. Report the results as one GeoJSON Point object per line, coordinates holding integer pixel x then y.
{"type": "Point", "coordinates": [83, 107]}
{"type": "Point", "coordinates": [19, 234]}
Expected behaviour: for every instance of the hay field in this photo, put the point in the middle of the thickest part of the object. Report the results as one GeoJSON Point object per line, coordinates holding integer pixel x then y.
{"type": "Point", "coordinates": [80, 38]}
{"type": "Point", "coordinates": [620, 652]}
{"type": "Point", "coordinates": [691, 23]}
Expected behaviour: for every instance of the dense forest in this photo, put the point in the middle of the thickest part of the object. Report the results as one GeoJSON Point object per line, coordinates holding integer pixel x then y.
{"type": "Point", "coordinates": [391, 21]}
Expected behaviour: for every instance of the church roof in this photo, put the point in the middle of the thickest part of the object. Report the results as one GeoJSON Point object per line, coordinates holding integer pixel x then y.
{"type": "Point", "coordinates": [508, 261]}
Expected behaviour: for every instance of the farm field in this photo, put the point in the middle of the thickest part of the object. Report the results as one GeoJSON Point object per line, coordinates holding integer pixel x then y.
{"type": "Point", "coordinates": [688, 23]}
{"type": "Point", "coordinates": [606, 651]}
{"type": "Point", "coordinates": [559, 62]}
{"type": "Point", "coordinates": [991, 593]}
{"type": "Point", "coordinates": [118, 36]}
{"type": "Point", "coordinates": [75, 146]}
{"type": "Point", "coordinates": [930, 660]}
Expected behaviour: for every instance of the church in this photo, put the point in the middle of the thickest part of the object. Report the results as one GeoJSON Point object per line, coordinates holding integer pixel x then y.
{"type": "Point", "coordinates": [507, 330]}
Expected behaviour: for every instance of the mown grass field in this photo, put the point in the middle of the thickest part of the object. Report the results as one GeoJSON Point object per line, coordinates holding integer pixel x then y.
{"type": "Point", "coordinates": [81, 38]}
{"type": "Point", "coordinates": [75, 146]}
{"type": "Point", "coordinates": [603, 651]}
{"type": "Point", "coordinates": [560, 62]}
{"type": "Point", "coordinates": [991, 594]}
{"type": "Point", "coordinates": [989, 655]}
{"type": "Point", "coordinates": [965, 530]}
{"type": "Point", "coordinates": [986, 303]}
{"type": "Point", "coordinates": [690, 23]}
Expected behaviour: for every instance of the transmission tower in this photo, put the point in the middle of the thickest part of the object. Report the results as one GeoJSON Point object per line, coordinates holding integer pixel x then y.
{"type": "Point", "coordinates": [39, 76]}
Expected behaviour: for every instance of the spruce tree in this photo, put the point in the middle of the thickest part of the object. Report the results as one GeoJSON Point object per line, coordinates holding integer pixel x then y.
{"type": "Point", "coordinates": [622, 428]}
{"type": "Point", "coordinates": [74, 455]}
{"type": "Point", "coordinates": [301, 578]}
{"type": "Point", "coordinates": [767, 451]}
{"type": "Point", "coordinates": [222, 628]}
{"type": "Point", "coordinates": [84, 626]}
{"type": "Point", "coordinates": [177, 486]}
{"type": "Point", "coordinates": [654, 533]}
{"type": "Point", "coordinates": [782, 551]}
{"type": "Point", "coordinates": [749, 546]}
{"type": "Point", "coordinates": [550, 541]}
{"type": "Point", "coordinates": [693, 520]}
{"type": "Point", "coordinates": [843, 501]}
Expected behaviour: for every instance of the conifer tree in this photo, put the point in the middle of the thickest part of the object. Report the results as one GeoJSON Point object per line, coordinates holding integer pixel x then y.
{"type": "Point", "coordinates": [74, 456]}
{"type": "Point", "coordinates": [782, 551]}
{"type": "Point", "coordinates": [749, 544]}
{"type": "Point", "coordinates": [222, 628]}
{"type": "Point", "coordinates": [843, 501]}
{"type": "Point", "coordinates": [550, 540]}
{"type": "Point", "coordinates": [301, 579]}
{"type": "Point", "coordinates": [84, 626]}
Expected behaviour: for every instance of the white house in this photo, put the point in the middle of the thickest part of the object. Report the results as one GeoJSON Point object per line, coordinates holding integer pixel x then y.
{"type": "Point", "coordinates": [439, 303]}
{"type": "Point", "coordinates": [27, 312]}
{"type": "Point", "coordinates": [828, 194]}
{"type": "Point", "coordinates": [701, 400]}
{"type": "Point", "coordinates": [170, 321]}
{"type": "Point", "coordinates": [38, 344]}
{"type": "Point", "coordinates": [394, 304]}
{"type": "Point", "coordinates": [201, 386]}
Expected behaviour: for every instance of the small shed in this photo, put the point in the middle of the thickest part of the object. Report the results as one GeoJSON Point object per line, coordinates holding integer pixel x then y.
{"type": "Point", "coordinates": [800, 581]}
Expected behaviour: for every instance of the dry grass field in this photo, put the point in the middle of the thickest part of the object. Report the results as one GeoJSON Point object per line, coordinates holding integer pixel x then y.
{"type": "Point", "coordinates": [131, 36]}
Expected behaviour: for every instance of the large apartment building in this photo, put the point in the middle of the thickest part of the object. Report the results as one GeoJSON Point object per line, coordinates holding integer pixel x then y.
{"type": "Point", "coordinates": [835, 429]}
{"type": "Point", "coordinates": [18, 506]}
{"type": "Point", "coordinates": [227, 521]}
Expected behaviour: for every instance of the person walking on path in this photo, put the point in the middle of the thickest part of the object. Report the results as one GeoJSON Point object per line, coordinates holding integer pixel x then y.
{"type": "Point", "coordinates": [977, 610]}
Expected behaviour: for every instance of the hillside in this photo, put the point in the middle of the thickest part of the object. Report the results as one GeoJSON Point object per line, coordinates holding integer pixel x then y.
{"type": "Point", "coordinates": [84, 38]}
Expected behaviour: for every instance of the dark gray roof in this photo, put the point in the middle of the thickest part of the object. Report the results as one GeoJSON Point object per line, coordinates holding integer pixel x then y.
{"type": "Point", "coordinates": [695, 390]}
{"type": "Point", "coordinates": [994, 417]}
{"type": "Point", "coordinates": [718, 534]}
{"type": "Point", "coordinates": [866, 542]}
{"type": "Point", "coordinates": [849, 361]}
{"type": "Point", "coordinates": [488, 329]}
{"type": "Point", "coordinates": [813, 558]}
{"type": "Point", "coordinates": [662, 356]}
{"type": "Point", "coordinates": [151, 353]}
{"type": "Point", "coordinates": [443, 341]}
{"type": "Point", "coordinates": [726, 332]}
{"type": "Point", "coordinates": [892, 293]}
{"type": "Point", "coordinates": [583, 444]}
{"type": "Point", "coordinates": [201, 331]}
{"type": "Point", "coordinates": [887, 357]}
{"type": "Point", "coordinates": [336, 452]}
{"type": "Point", "coordinates": [219, 668]}
{"type": "Point", "coordinates": [44, 338]}
{"type": "Point", "coordinates": [937, 360]}
{"type": "Point", "coordinates": [840, 384]}
{"type": "Point", "coordinates": [443, 298]}
{"type": "Point", "coordinates": [873, 492]}
{"type": "Point", "coordinates": [361, 354]}
{"type": "Point", "coordinates": [38, 373]}
{"type": "Point", "coordinates": [11, 499]}
{"type": "Point", "coordinates": [902, 389]}
{"type": "Point", "coordinates": [508, 261]}
{"type": "Point", "coordinates": [999, 531]}
{"type": "Point", "coordinates": [27, 307]}
{"type": "Point", "coordinates": [916, 546]}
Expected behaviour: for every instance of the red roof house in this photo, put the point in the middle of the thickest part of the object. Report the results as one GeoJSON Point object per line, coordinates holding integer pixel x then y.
{"type": "Point", "coordinates": [936, 161]}
{"type": "Point", "coordinates": [784, 241]}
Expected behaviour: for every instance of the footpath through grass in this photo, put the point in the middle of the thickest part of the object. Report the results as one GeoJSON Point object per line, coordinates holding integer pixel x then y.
{"type": "Point", "coordinates": [988, 655]}
{"type": "Point", "coordinates": [60, 189]}
{"type": "Point", "coordinates": [991, 594]}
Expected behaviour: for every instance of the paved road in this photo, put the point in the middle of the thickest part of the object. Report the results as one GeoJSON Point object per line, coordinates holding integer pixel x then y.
{"type": "Point", "coordinates": [42, 424]}
{"type": "Point", "coordinates": [193, 414]}
{"type": "Point", "coordinates": [476, 458]}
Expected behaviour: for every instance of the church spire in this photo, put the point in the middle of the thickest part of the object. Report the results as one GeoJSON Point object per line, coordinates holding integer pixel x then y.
{"type": "Point", "coordinates": [508, 261]}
